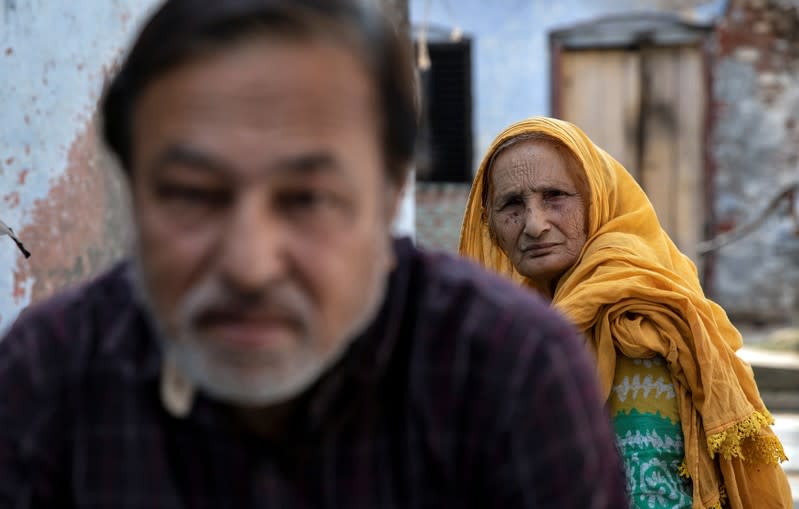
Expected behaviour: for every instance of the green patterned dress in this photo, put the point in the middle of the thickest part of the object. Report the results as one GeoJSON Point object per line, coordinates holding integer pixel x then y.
{"type": "Point", "coordinates": [645, 415]}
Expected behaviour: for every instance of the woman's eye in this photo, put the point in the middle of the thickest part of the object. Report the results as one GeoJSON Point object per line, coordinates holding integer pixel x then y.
{"type": "Point", "coordinates": [513, 202]}
{"type": "Point", "coordinates": [554, 193]}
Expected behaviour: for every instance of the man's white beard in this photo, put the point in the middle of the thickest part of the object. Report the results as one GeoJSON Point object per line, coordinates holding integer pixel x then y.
{"type": "Point", "coordinates": [280, 378]}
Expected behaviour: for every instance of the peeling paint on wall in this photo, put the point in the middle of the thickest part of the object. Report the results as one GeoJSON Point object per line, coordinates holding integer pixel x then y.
{"type": "Point", "coordinates": [73, 242]}
{"type": "Point", "coordinates": [58, 189]}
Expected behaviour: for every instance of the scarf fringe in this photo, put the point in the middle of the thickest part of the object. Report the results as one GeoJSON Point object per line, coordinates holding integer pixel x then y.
{"type": "Point", "coordinates": [743, 440]}
{"type": "Point", "coordinates": [722, 500]}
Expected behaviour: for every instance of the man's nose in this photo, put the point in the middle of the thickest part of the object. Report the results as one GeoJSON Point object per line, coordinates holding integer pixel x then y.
{"type": "Point", "coordinates": [536, 222]}
{"type": "Point", "coordinates": [253, 251]}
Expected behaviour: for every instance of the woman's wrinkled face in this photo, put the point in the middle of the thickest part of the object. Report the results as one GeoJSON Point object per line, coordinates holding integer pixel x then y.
{"type": "Point", "coordinates": [536, 209]}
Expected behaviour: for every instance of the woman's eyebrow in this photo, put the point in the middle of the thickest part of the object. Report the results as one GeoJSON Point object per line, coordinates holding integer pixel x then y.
{"type": "Point", "coordinates": [543, 188]}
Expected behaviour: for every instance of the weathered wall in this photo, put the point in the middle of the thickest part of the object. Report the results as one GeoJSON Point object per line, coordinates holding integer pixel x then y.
{"type": "Point", "coordinates": [511, 48]}
{"type": "Point", "coordinates": [755, 148]}
{"type": "Point", "coordinates": [57, 189]}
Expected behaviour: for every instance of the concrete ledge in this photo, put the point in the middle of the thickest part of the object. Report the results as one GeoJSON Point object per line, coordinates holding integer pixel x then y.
{"type": "Point", "coordinates": [776, 372]}
{"type": "Point", "coordinates": [770, 358]}
{"type": "Point", "coordinates": [780, 401]}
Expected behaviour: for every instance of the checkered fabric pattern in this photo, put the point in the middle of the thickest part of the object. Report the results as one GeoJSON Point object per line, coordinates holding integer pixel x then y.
{"type": "Point", "coordinates": [465, 392]}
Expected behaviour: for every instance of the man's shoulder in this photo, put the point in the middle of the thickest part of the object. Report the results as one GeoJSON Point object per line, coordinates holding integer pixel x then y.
{"type": "Point", "coordinates": [74, 320]}
{"type": "Point", "coordinates": [457, 306]}
{"type": "Point", "coordinates": [481, 343]}
{"type": "Point", "coordinates": [105, 291]}
{"type": "Point", "coordinates": [449, 280]}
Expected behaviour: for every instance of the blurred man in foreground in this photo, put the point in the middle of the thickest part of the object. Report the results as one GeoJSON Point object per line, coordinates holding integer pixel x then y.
{"type": "Point", "coordinates": [270, 344]}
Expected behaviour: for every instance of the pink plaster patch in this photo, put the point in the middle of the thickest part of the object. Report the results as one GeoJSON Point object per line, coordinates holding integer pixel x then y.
{"type": "Point", "coordinates": [67, 232]}
{"type": "Point", "coordinates": [19, 288]}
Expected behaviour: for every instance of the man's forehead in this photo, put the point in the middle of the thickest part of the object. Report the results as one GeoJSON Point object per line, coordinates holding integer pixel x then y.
{"type": "Point", "coordinates": [260, 94]}
{"type": "Point", "coordinates": [257, 68]}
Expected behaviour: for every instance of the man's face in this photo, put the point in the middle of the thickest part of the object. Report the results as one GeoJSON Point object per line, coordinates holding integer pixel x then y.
{"type": "Point", "coordinates": [263, 214]}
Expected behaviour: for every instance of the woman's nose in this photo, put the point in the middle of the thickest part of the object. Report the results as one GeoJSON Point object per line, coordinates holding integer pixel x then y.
{"type": "Point", "coordinates": [536, 222]}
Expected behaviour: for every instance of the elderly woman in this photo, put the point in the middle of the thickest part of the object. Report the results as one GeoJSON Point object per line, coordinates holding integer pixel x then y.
{"type": "Point", "coordinates": [554, 212]}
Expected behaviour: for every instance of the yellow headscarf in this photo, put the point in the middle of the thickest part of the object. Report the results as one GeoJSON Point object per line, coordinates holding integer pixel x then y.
{"type": "Point", "coordinates": [633, 291]}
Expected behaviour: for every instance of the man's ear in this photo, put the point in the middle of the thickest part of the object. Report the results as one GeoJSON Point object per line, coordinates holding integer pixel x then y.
{"type": "Point", "coordinates": [395, 191]}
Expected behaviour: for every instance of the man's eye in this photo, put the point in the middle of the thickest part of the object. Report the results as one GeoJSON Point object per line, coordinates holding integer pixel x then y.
{"type": "Point", "coordinates": [302, 200]}
{"type": "Point", "coordinates": [194, 195]}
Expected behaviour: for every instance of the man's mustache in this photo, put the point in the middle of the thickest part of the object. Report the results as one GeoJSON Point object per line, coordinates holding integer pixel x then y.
{"type": "Point", "coordinates": [214, 304]}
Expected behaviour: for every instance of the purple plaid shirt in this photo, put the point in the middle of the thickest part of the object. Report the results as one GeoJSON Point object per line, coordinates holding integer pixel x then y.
{"type": "Point", "coordinates": [465, 392]}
